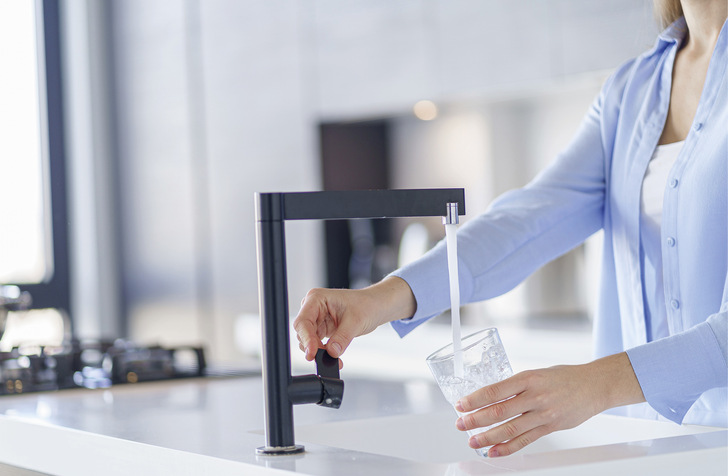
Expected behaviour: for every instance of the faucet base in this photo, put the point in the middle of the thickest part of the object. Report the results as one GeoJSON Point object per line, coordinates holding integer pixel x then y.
{"type": "Point", "coordinates": [279, 450]}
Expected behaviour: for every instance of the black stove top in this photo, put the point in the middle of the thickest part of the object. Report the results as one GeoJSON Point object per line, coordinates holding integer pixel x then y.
{"type": "Point", "coordinates": [97, 364]}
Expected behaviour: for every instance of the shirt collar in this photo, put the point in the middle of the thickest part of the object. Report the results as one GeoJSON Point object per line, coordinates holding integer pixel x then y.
{"type": "Point", "coordinates": [675, 32]}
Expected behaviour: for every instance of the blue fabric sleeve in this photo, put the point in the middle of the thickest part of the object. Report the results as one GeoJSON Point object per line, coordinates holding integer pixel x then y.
{"type": "Point", "coordinates": [521, 231]}
{"type": "Point", "coordinates": [673, 372]}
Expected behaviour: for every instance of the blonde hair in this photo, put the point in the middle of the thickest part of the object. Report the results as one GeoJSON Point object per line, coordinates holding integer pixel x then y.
{"type": "Point", "coordinates": [667, 11]}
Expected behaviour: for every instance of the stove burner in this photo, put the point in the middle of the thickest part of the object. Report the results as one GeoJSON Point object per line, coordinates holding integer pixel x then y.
{"type": "Point", "coordinates": [95, 365]}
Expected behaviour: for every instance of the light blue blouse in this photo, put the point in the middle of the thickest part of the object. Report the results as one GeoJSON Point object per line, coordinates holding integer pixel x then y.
{"type": "Point", "coordinates": [595, 183]}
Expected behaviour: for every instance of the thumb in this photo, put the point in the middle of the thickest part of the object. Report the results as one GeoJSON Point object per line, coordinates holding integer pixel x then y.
{"type": "Point", "coordinates": [340, 340]}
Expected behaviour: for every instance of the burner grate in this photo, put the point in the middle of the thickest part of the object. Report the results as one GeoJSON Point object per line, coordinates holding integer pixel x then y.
{"type": "Point", "coordinates": [97, 364]}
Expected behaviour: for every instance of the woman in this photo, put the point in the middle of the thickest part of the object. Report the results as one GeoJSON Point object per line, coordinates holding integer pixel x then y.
{"type": "Point", "coordinates": [648, 165]}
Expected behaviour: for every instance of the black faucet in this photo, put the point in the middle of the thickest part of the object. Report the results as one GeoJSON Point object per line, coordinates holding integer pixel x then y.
{"type": "Point", "coordinates": [281, 389]}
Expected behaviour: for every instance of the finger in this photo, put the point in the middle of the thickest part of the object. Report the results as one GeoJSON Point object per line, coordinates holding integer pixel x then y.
{"type": "Point", "coordinates": [505, 431]}
{"type": "Point", "coordinates": [324, 329]}
{"type": "Point", "coordinates": [306, 330]}
{"type": "Point", "coordinates": [519, 442]}
{"type": "Point", "coordinates": [493, 414]}
{"type": "Point", "coordinates": [491, 394]}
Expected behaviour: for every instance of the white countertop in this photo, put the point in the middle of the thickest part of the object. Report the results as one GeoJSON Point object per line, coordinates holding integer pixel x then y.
{"type": "Point", "coordinates": [212, 426]}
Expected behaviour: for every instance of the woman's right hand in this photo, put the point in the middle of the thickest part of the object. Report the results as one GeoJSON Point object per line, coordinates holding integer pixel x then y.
{"type": "Point", "coordinates": [342, 314]}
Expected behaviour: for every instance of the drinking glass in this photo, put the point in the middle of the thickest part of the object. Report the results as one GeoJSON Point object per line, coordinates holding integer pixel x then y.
{"type": "Point", "coordinates": [484, 362]}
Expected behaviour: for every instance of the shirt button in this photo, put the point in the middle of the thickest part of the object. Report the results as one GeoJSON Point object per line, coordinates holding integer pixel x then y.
{"type": "Point", "coordinates": [671, 241]}
{"type": "Point", "coordinates": [675, 304]}
{"type": "Point", "coordinates": [698, 126]}
{"type": "Point", "coordinates": [673, 183]}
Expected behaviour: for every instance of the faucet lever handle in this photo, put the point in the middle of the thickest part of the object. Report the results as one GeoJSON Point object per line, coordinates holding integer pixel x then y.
{"type": "Point", "coordinates": [326, 366]}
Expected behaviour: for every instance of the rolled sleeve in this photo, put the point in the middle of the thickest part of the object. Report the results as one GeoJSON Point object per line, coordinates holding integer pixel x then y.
{"type": "Point", "coordinates": [675, 371]}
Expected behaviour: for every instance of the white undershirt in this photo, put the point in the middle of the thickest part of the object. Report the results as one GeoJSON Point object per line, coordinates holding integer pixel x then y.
{"type": "Point", "coordinates": [653, 186]}
{"type": "Point", "coordinates": [653, 194]}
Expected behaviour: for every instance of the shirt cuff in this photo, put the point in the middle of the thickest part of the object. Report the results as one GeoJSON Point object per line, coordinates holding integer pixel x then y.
{"type": "Point", "coordinates": [673, 372]}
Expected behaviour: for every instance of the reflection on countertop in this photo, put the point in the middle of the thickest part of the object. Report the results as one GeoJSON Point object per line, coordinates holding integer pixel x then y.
{"type": "Point", "coordinates": [207, 415]}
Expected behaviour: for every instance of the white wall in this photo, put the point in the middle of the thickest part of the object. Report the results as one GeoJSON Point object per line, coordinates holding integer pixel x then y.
{"type": "Point", "coordinates": [378, 57]}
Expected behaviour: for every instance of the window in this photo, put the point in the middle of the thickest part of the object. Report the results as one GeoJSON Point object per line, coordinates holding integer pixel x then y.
{"type": "Point", "coordinates": [24, 250]}
{"type": "Point", "coordinates": [34, 238]}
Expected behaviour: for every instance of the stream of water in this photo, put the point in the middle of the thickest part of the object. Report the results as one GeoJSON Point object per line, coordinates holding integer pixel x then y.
{"type": "Point", "coordinates": [452, 266]}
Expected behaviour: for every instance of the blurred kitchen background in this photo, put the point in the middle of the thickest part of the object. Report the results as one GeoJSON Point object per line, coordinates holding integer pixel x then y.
{"type": "Point", "coordinates": [128, 166]}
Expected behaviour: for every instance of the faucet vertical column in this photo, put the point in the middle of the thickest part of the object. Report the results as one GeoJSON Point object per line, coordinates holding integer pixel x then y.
{"type": "Point", "coordinates": [273, 295]}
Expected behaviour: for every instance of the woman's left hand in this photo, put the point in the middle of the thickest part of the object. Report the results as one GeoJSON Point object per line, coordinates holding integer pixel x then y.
{"type": "Point", "coordinates": [546, 400]}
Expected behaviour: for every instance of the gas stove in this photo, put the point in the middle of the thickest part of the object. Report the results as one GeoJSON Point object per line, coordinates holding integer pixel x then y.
{"type": "Point", "coordinates": [97, 364]}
